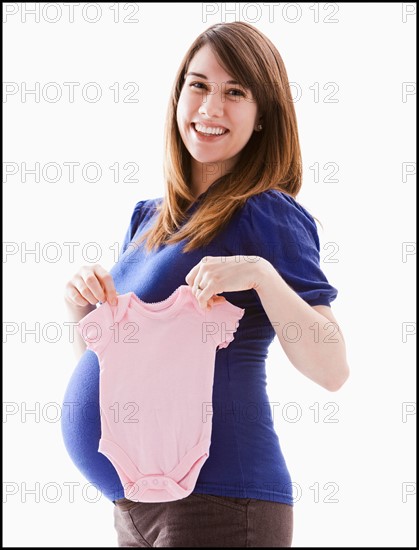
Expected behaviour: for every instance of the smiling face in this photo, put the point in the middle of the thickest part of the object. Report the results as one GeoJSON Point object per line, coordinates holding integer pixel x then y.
{"type": "Point", "coordinates": [211, 102]}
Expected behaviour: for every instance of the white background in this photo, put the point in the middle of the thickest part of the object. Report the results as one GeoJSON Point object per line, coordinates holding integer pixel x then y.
{"type": "Point", "coordinates": [368, 456]}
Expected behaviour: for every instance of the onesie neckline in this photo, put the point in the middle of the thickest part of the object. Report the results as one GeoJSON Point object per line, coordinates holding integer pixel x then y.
{"type": "Point", "coordinates": [163, 309]}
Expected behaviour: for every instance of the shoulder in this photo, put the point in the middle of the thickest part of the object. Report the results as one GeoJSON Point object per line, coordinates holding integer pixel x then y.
{"type": "Point", "coordinates": [147, 205]}
{"type": "Point", "coordinates": [143, 211]}
{"type": "Point", "coordinates": [273, 207]}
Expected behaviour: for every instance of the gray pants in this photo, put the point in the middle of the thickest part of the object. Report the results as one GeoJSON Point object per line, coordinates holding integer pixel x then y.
{"type": "Point", "coordinates": [204, 521]}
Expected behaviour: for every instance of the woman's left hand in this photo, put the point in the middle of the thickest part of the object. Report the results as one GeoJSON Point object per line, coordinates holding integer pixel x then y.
{"type": "Point", "coordinates": [215, 274]}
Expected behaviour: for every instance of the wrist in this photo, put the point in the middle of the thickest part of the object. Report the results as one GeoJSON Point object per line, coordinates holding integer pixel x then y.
{"type": "Point", "coordinates": [75, 312]}
{"type": "Point", "coordinates": [265, 271]}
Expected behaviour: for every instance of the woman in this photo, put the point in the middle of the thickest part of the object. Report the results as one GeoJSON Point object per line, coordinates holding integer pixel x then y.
{"type": "Point", "coordinates": [229, 225]}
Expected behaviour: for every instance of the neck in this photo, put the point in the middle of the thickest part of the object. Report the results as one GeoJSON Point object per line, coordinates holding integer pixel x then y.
{"type": "Point", "coordinates": [205, 174]}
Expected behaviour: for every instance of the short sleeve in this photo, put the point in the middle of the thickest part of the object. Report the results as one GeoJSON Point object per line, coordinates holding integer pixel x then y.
{"type": "Point", "coordinates": [143, 212]}
{"type": "Point", "coordinates": [224, 318]}
{"type": "Point", "coordinates": [133, 226]}
{"type": "Point", "coordinates": [276, 227]}
{"type": "Point", "coordinates": [95, 328]}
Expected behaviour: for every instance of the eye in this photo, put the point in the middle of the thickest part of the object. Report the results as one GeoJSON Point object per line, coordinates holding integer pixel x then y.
{"type": "Point", "coordinates": [193, 85]}
{"type": "Point", "coordinates": [235, 92]}
{"type": "Point", "coordinates": [239, 92]}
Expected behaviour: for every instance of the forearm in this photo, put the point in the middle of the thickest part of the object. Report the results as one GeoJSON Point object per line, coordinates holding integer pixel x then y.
{"type": "Point", "coordinates": [313, 344]}
{"type": "Point", "coordinates": [75, 314]}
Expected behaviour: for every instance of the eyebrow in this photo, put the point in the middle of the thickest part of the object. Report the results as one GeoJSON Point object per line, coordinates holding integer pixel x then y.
{"type": "Point", "coordinates": [206, 78]}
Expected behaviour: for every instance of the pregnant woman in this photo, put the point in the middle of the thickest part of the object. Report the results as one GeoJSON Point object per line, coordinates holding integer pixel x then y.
{"type": "Point", "coordinates": [228, 226]}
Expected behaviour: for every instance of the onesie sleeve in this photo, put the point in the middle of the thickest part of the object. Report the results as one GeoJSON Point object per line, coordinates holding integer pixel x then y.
{"type": "Point", "coordinates": [95, 328]}
{"type": "Point", "coordinates": [224, 318]}
{"type": "Point", "coordinates": [276, 227]}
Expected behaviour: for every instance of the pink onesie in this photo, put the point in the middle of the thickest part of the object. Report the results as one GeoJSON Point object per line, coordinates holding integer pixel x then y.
{"type": "Point", "coordinates": [156, 380]}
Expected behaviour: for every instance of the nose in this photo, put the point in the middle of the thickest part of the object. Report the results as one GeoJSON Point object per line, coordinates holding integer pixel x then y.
{"type": "Point", "coordinates": [212, 103]}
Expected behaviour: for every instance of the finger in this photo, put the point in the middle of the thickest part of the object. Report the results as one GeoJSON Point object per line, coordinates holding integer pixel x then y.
{"type": "Point", "coordinates": [190, 277]}
{"type": "Point", "coordinates": [107, 283]}
{"type": "Point", "coordinates": [90, 283]}
{"type": "Point", "coordinates": [82, 294]}
{"type": "Point", "coordinates": [204, 296]}
{"type": "Point", "coordinates": [210, 303]}
{"type": "Point", "coordinates": [198, 286]}
{"type": "Point", "coordinates": [215, 299]}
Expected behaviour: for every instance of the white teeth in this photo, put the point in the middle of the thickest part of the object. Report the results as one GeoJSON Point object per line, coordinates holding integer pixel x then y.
{"type": "Point", "coordinates": [209, 131]}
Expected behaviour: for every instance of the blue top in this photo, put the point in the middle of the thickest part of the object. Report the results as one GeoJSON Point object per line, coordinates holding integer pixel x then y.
{"type": "Point", "coordinates": [245, 455]}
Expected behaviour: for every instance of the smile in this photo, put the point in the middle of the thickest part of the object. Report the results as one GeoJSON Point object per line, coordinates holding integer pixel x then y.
{"type": "Point", "coordinates": [212, 133]}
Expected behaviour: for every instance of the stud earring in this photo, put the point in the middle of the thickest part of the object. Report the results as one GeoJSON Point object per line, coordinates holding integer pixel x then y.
{"type": "Point", "coordinates": [260, 127]}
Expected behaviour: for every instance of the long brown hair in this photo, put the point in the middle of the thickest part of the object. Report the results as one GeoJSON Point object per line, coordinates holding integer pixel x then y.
{"type": "Point", "coordinates": [271, 159]}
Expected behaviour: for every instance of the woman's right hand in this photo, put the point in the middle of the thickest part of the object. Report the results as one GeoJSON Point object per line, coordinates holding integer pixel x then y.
{"type": "Point", "coordinates": [90, 285]}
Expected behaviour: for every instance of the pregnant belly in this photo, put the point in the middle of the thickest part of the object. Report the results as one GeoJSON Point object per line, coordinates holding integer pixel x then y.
{"type": "Point", "coordinates": [80, 425]}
